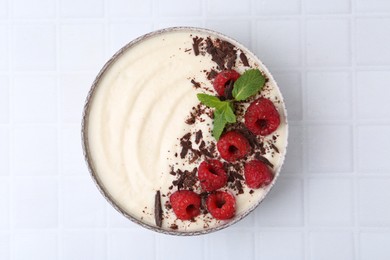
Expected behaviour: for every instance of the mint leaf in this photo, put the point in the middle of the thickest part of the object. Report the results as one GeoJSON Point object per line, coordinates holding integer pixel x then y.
{"type": "Point", "coordinates": [210, 101]}
{"type": "Point", "coordinates": [230, 117]}
{"type": "Point", "coordinates": [219, 124]}
{"type": "Point", "coordinates": [250, 83]}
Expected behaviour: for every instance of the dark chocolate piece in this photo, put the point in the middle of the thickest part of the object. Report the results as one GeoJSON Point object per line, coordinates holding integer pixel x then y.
{"type": "Point", "coordinates": [244, 59]}
{"type": "Point", "coordinates": [275, 148]}
{"type": "Point", "coordinates": [196, 84]}
{"type": "Point", "coordinates": [229, 90]}
{"type": "Point", "coordinates": [196, 41]}
{"type": "Point", "coordinates": [198, 136]}
{"type": "Point", "coordinates": [158, 209]}
{"type": "Point", "coordinates": [264, 160]}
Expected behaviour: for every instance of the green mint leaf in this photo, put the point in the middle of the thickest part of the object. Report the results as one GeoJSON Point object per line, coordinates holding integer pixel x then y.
{"type": "Point", "coordinates": [223, 113]}
{"type": "Point", "coordinates": [250, 83]}
{"type": "Point", "coordinates": [219, 124]}
{"type": "Point", "coordinates": [210, 101]}
{"type": "Point", "coordinates": [230, 117]}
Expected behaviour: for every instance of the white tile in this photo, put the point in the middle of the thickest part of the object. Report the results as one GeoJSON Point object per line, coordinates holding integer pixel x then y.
{"type": "Point", "coordinates": [180, 8]}
{"type": "Point", "coordinates": [280, 245]}
{"type": "Point", "coordinates": [373, 149]}
{"type": "Point", "coordinates": [87, 244]}
{"type": "Point", "coordinates": [34, 47]}
{"type": "Point", "coordinates": [374, 6]}
{"type": "Point", "coordinates": [335, 245]}
{"type": "Point", "coordinates": [278, 42]}
{"type": "Point", "coordinates": [294, 156]}
{"type": "Point", "coordinates": [330, 202]}
{"type": "Point", "coordinates": [4, 33]}
{"type": "Point", "coordinates": [228, 7]}
{"type": "Point", "coordinates": [33, 9]}
{"type": "Point", "coordinates": [180, 246]}
{"type": "Point", "coordinates": [278, 7]}
{"type": "Point", "coordinates": [290, 86]}
{"type": "Point", "coordinates": [4, 204]}
{"type": "Point", "coordinates": [34, 99]}
{"type": "Point", "coordinates": [41, 245]}
{"type": "Point", "coordinates": [117, 220]}
{"type": "Point", "coordinates": [36, 147]}
{"type": "Point", "coordinates": [323, 49]}
{"type": "Point", "coordinates": [329, 148]}
{"type": "Point", "coordinates": [120, 241]}
{"type": "Point", "coordinates": [3, 8]}
{"type": "Point", "coordinates": [4, 151]}
{"type": "Point", "coordinates": [81, 9]}
{"type": "Point", "coordinates": [80, 197]}
{"type": "Point", "coordinates": [129, 8]}
{"type": "Point", "coordinates": [72, 154]}
{"type": "Point", "coordinates": [329, 95]}
{"type": "Point", "coordinates": [4, 99]}
{"type": "Point", "coordinates": [246, 223]}
{"type": "Point", "coordinates": [283, 205]}
{"type": "Point", "coordinates": [328, 7]}
{"type": "Point", "coordinates": [5, 246]}
{"type": "Point", "coordinates": [371, 43]}
{"type": "Point", "coordinates": [374, 245]}
{"type": "Point", "coordinates": [73, 93]}
{"type": "Point", "coordinates": [239, 30]}
{"type": "Point", "coordinates": [35, 202]}
{"type": "Point", "coordinates": [373, 199]}
{"type": "Point", "coordinates": [122, 33]}
{"type": "Point", "coordinates": [81, 46]}
{"type": "Point", "coordinates": [222, 245]}
{"type": "Point", "coordinates": [373, 94]}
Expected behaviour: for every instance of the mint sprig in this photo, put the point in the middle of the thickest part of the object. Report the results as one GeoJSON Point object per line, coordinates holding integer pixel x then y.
{"type": "Point", "coordinates": [247, 85]}
{"type": "Point", "coordinates": [223, 113]}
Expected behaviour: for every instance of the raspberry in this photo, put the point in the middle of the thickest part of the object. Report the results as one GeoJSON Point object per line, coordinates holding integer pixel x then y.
{"type": "Point", "coordinates": [221, 205]}
{"type": "Point", "coordinates": [212, 176]}
{"type": "Point", "coordinates": [261, 117]}
{"type": "Point", "coordinates": [222, 80]}
{"type": "Point", "coordinates": [257, 174]}
{"type": "Point", "coordinates": [185, 204]}
{"type": "Point", "coordinates": [233, 146]}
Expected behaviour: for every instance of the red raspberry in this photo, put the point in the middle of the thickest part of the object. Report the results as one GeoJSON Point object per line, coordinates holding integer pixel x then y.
{"type": "Point", "coordinates": [221, 205]}
{"type": "Point", "coordinates": [185, 204]}
{"type": "Point", "coordinates": [212, 176]}
{"type": "Point", "coordinates": [261, 117]}
{"type": "Point", "coordinates": [257, 174]}
{"type": "Point", "coordinates": [233, 146]}
{"type": "Point", "coordinates": [222, 80]}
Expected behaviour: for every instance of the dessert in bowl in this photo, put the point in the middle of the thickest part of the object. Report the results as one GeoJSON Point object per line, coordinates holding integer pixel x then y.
{"type": "Point", "coordinates": [184, 131]}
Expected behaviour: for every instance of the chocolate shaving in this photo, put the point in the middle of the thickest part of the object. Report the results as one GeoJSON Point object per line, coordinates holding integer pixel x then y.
{"type": "Point", "coordinates": [275, 148]}
{"type": "Point", "coordinates": [263, 159]}
{"type": "Point", "coordinates": [222, 52]}
{"type": "Point", "coordinates": [228, 93]}
{"type": "Point", "coordinates": [158, 209]}
{"type": "Point", "coordinates": [187, 179]}
{"type": "Point", "coordinates": [198, 136]}
{"type": "Point", "coordinates": [238, 187]}
{"type": "Point", "coordinates": [196, 84]}
{"type": "Point", "coordinates": [173, 226]}
{"type": "Point", "coordinates": [212, 74]}
{"type": "Point", "coordinates": [203, 206]}
{"type": "Point", "coordinates": [244, 59]}
{"type": "Point", "coordinates": [196, 41]}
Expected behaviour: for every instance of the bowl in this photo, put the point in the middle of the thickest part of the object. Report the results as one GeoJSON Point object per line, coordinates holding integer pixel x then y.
{"type": "Point", "coordinates": [138, 109]}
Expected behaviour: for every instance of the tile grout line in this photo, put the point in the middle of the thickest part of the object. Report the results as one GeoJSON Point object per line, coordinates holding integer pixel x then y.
{"type": "Point", "coordinates": [11, 131]}
{"type": "Point", "coordinates": [354, 130]}
{"type": "Point", "coordinates": [305, 187]}
{"type": "Point", "coordinates": [59, 126]}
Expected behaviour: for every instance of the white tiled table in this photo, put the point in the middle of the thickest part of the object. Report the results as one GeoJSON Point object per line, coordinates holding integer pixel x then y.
{"type": "Point", "coordinates": [332, 61]}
